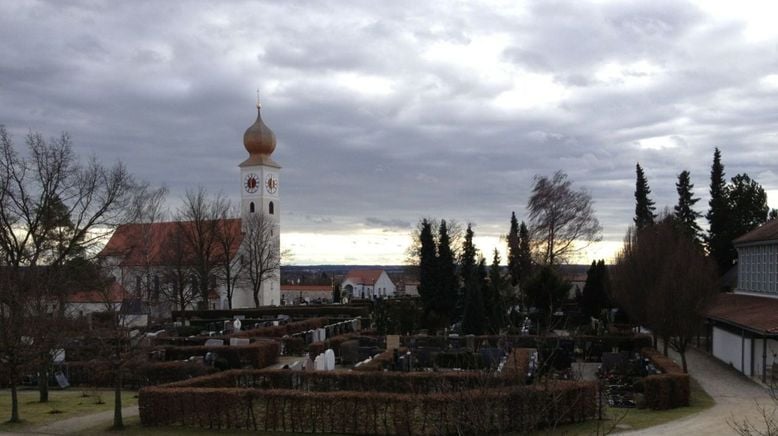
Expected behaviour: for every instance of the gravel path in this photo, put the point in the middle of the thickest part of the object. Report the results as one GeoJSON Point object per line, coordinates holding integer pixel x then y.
{"type": "Point", "coordinates": [735, 397]}
{"type": "Point", "coordinates": [76, 424]}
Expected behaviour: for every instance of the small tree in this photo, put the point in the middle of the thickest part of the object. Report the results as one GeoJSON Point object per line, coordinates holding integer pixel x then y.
{"type": "Point", "coordinates": [685, 215]}
{"type": "Point", "coordinates": [228, 239]}
{"type": "Point", "coordinates": [718, 239]}
{"type": "Point", "coordinates": [562, 219]}
{"type": "Point", "coordinates": [262, 253]}
{"type": "Point", "coordinates": [595, 292]}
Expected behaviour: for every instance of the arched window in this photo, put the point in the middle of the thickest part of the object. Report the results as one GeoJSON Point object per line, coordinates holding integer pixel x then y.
{"type": "Point", "coordinates": [270, 208]}
{"type": "Point", "coordinates": [251, 207]}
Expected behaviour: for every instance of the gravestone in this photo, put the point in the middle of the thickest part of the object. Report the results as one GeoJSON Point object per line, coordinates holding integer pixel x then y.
{"type": "Point", "coordinates": [322, 335]}
{"type": "Point", "coordinates": [319, 362]}
{"type": "Point", "coordinates": [392, 342]}
{"type": "Point", "coordinates": [239, 341]}
{"type": "Point", "coordinates": [214, 342]}
{"type": "Point", "coordinates": [329, 360]}
{"type": "Point", "coordinates": [307, 363]}
{"type": "Point", "coordinates": [349, 351]}
{"type": "Point", "coordinates": [62, 381]}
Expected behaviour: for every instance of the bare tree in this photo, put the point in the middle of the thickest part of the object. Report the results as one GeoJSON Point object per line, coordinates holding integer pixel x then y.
{"type": "Point", "coordinates": [198, 221]}
{"type": "Point", "coordinates": [37, 192]}
{"type": "Point", "coordinates": [261, 251]}
{"type": "Point", "coordinates": [562, 220]}
{"type": "Point", "coordinates": [178, 274]}
{"type": "Point", "coordinates": [229, 267]}
{"type": "Point", "coordinates": [664, 281]}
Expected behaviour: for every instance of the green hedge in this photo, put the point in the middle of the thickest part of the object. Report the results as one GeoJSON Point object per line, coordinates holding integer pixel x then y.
{"type": "Point", "coordinates": [668, 390]}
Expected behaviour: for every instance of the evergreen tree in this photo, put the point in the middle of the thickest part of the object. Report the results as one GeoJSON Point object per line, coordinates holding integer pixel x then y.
{"type": "Point", "coordinates": [546, 291]}
{"type": "Point", "coordinates": [718, 239]}
{"type": "Point", "coordinates": [525, 252]}
{"type": "Point", "coordinates": [747, 206]}
{"type": "Point", "coordinates": [428, 289]}
{"type": "Point", "coordinates": [595, 292]}
{"type": "Point", "coordinates": [644, 206]}
{"type": "Point", "coordinates": [447, 284]}
{"type": "Point", "coordinates": [473, 316]}
{"type": "Point", "coordinates": [514, 266]}
{"type": "Point", "coordinates": [495, 303]}
{"type": "Point", "coordinates": [685, 215]}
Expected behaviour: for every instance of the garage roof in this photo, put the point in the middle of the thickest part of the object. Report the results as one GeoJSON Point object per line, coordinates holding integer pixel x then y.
{"type": "Point", "coordinates": [750, 312]}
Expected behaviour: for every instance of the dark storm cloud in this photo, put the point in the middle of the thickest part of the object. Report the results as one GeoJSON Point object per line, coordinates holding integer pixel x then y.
{"type": "Point", "coordinates": [404, 109]}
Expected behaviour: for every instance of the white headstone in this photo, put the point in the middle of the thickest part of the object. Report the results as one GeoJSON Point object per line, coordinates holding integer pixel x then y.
{"type": "Point", "coordinates": [240, 341]}
{"type": "Point", "coordinates": [322, 335]}
{"type": "Point", "coordinates": [214, 342]}
{"type": "Point", "coordinates": [329, 360]}
{"type": "Point", "coordinates": [319, 362]}
{"type": "Point", "coordinates": [236, 325]}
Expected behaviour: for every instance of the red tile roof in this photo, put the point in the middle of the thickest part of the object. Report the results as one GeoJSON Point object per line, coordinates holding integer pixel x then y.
{"type": "Point", "coordinates": [127, 242]}
{"type": "Point", "coordinates": [766, 232]}
{"type": "Point", "coordinates": [306, 288]}
{"type": "Point", "coordinates": [746, 311]}
{"type": "Point", "coordinates": [364, 276]}
{"type": "Point", "coordinates": [115, 294]}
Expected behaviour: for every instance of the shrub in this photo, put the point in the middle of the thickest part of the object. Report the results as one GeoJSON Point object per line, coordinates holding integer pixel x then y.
{"type": "Point", "coordinates": [668, 390]}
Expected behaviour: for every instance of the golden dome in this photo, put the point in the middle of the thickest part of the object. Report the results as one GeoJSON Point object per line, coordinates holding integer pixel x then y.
{"type": "Point", "coordinates": [259, 140]}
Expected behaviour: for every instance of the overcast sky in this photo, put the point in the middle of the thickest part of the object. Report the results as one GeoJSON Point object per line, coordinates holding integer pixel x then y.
{"type": "Point", "coordinates": [386, 112]}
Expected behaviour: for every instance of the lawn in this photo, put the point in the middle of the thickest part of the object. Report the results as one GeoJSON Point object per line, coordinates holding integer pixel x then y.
{"type": "Point", "coordinates": [635, 419]}
{"type": "Point", "coordinates": [63, 404]}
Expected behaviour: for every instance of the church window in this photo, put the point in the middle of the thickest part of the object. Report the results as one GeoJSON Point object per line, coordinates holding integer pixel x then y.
{"type": "Point", "coordinates": [251, 207]}
{"type": "Point", "coordinates": [270, 208]}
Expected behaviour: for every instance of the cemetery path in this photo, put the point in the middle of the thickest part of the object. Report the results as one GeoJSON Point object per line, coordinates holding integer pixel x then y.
{"type": "Point", "coordinates": [76, 424]}
{"type": "Point", "coordinates": [736, 399]}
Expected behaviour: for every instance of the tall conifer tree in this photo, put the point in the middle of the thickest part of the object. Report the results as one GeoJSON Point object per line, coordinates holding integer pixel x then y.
{"type": "Point", "coordinates": [514, 266]}
{"type": "Point", "coordinates": [718, 239]}
{"type": "Point", "coordinates": [446, 274]}
{"type": "Point", "coordinates": [685, 215]}
{"type": "Point", "coordinates": [644, 206]}
{"type": "Point", "coordinates": [525, 252]}
{"type": "Point", "coordinates": [428, 289]}
{"type": "Point", "coordinates": [473, 308]}
{"type": "Point", "coordinates": [495, 303]}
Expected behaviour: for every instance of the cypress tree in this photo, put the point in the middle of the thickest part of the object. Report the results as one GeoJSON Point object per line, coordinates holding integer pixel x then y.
{"type": "Point", "coordinates": [473, 307]}
{"type": "Point", "coordinates": [495, 303]}
{"type": "Point", "coordinates": [446, 273]}
{"type": "Point", "coordinates": [514, 267]}
{"type": "Point", "coordinates": [644, 206]}
{"type": "Point", "coordinates": [428, 289]}
{"type": "Point", "coordinates": [685, 215]}
{"type": "Point", "coordinates": [718, 239]}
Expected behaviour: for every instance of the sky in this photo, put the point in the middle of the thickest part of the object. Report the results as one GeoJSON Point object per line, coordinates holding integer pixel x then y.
{"type": "Point", "coordinates": [387, 112]}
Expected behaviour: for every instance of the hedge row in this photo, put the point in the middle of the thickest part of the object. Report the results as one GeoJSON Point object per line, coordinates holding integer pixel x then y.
{"type": "Point", "coordinates": [283, 330]}
{"type": "Point", "coordinates": [476, 411]}
{"type": "Point", "coordinates": [311, 311]}
{"type": "Point", "coordinates": [325, 381]}
{"type": "Point", "coordinates": [635, 342]}
{"type": "Point", "coordinates": [257, 355]}
{"type": "Point", "coordinates": [100, 374]}
{"type": "Point", "coordinates": [517, 364]}
{"type": "Point", "coordinates": [668, 390]}
{"type": "Point", "coordinates": [380, 362]}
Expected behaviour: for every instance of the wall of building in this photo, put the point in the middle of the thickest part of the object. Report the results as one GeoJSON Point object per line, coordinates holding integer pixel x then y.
{"type": "Point", "coordinates": [758, 269]}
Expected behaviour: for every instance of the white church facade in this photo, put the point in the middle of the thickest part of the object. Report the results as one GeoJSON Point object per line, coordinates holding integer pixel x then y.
{"type": "Point", "coordinates": [152, 264]}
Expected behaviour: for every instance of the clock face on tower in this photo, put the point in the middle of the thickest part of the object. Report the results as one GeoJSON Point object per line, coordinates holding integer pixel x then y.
{"type": "Point", "coordinates": [271, 183]}
{"type": "Point", "coordinates": [251, 184]}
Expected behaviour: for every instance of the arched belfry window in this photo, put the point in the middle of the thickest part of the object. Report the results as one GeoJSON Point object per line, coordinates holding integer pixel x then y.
{"type": "Point", "coordinates": [270, 208]}
{"type": "Point", "coordinates": [251, 207]}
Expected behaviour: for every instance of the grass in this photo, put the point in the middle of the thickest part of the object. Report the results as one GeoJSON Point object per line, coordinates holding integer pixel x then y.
{"type": "Point", "coordinates": [636, 419]}
{"type": "Point", "coordinates": [62, 404]}
{"type": "Point", "coordinates": [133, 428]}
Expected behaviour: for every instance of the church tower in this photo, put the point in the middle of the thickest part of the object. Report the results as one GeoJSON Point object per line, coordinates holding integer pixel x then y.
{"type": "Point", "coordinates": [260, 203]}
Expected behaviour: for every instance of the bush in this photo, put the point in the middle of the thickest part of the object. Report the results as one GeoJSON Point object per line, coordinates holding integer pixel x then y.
{"type": "Point", "coordinates": [668, 390]}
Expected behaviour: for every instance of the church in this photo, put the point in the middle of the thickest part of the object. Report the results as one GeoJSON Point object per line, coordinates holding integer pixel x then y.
{"type": "Point", "coordinates": [152, 264]}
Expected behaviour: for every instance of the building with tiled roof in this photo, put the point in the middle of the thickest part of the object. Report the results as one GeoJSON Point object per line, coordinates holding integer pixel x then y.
{"type": "Point", "coordinates": [368, 283]}
{"type": "Point", "coordinates": [743, 325]}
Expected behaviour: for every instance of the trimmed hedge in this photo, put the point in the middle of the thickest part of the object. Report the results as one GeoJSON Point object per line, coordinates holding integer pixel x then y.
{"type": "Point", "coordinates": [458, 409]}
{"type": "Point", "coordinates": [668, 390]}
{"type": "Point", "coordinates": [380, 362]}
{"type": "Point", "coordinates": [257, 355]}
{"type": "Point", "coordinates": [629, 343]}
{"type": "Point", "coordinates": [517, 364]}
{"type": "Point", "coordinates": [166, 372]}
{"type": "Point", "coordinates": [311, 311]}
{"type": "Point", "coordinates": [100, 374]}
{"type": "Point", "coordinates": [282, 330]}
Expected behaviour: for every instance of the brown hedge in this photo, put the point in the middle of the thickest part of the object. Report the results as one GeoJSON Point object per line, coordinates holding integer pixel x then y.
{"type": "Point", "coordinates": [517, 364]}
{"type": "Point", "coordinates": [380, 362]}
{"type": "Point", "coordinates": [259, 354]}
{"type": "Point", "coordinates": [475, 411]}
{"type": "Point", "coordinates": [282, 330]}
{"type": "Point", "coordinates": [668, 390]}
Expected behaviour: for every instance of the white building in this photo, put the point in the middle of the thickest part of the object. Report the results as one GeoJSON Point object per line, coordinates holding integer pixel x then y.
{"type": "Point", "coordinates": [150, 260]}
{"type": "Point", "coordinates": [743, 325]}
{"type": "Point", "coordinates": [368, 283]}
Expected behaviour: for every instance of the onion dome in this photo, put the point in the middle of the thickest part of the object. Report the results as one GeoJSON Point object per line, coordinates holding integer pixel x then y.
{"type": "Point", "coordinates": [259, 140]}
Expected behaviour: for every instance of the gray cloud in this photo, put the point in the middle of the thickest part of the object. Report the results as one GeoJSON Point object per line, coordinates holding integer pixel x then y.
{"type": "Point", "coordinates": [399, 110]}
